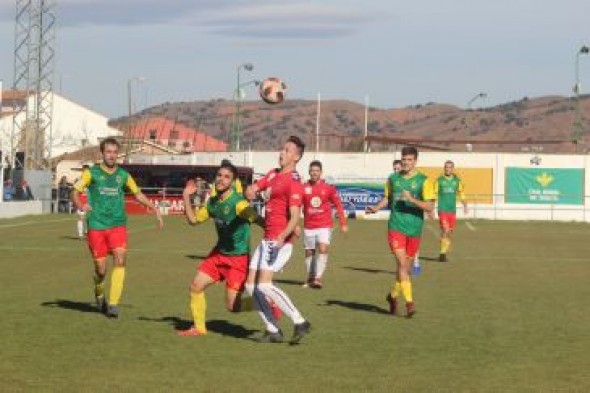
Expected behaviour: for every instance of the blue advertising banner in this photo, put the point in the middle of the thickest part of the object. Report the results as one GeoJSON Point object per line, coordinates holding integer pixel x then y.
{"type": "Point", "coordinates": [357, 196]}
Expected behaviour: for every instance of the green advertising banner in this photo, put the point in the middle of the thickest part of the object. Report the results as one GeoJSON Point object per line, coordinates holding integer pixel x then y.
{"type": "Point", "coordinates": [545, 186]}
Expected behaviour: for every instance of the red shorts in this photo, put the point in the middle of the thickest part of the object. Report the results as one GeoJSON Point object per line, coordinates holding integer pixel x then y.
{"type": "Point", "coordinates": [447, 220]}
{"type": "Point", "coordinates": [231, 268]}
{"type": "Point", "coordinates": [103, 241]}
{"type": "Point", "coordinates": [399, 241]}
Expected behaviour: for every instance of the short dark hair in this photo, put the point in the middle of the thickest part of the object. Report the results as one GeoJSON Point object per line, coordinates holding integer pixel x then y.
{"type": "Point", "coordinates": [299, 143]}
{"type": "Point", "coordinates": [449, 162]}
{"type": "Point", "coordinates": [108, 141]}
{"type": "Point", "coordinates": [410, 151]}
{"type": "Point", "coordinates": [315, 163]}
{"type": "Point", "coordinates": [397, 162]}
{"type": "Point", "coordinates": [226, 164]}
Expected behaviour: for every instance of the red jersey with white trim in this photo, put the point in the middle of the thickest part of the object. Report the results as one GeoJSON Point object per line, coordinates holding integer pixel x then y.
{"type": "Point", "coordinates": [318, 199]}
{"type": "Point", "coordinates": [280, 191]}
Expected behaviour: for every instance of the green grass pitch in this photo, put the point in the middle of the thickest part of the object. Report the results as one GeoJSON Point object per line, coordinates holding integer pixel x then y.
{"type": "Point", "coordinates": [509, 313]}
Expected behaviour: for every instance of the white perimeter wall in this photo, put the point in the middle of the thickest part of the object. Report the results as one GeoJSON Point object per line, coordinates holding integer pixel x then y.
{"type": "Point", "coordinates": [72, 123]}
{"type": "Point", "coordinates": [20, 208]}
{"type": "Point", "coordinates": [340, 167]}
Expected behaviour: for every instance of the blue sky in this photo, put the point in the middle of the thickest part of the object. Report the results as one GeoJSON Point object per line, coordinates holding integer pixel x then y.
{"type": "Point", "coordinates": [398, 53]}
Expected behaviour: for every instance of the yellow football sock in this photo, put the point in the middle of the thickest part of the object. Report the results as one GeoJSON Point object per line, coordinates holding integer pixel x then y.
{"type": "Point", "coordinates": [117, 279]}
{"type": "Point", "coordinates": [98, 286]}
{"type": "Point", "coordinates": [445, 244]}
{"type": "Point", "coordinates": [396, 289]}
{"type": "Point", "coordinates": [407, 290]}
{"type": "Point", "coordinates": [199, 308]}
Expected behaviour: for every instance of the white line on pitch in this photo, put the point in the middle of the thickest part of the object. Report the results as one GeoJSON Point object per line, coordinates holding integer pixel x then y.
{"type": "Point", "coordinates": [470, 226]}
{"type": "Point", "coordinates": [21, 224]}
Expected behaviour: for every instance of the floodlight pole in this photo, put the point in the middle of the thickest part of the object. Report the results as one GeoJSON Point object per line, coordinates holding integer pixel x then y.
{"type": "Point", "coordinates": [235, 134]}
{"type": "Point", "coordinates": [131, 107]}
{"type": "Point", "coordinates": [578, 126]}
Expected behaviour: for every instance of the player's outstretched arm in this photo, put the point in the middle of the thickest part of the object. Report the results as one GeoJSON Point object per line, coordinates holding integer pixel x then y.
{"type": "Point", "coordinates": [141, 198]}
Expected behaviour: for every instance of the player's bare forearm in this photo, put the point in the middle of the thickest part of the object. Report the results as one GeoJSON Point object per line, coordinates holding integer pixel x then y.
{"type": "Point", "coordinates": [251, 192]}
{"type": "Point", "coordinates": [374, 209]}
{"type": "Point", "coordinates": [340, 209]}
{"type": "Point", "coordinates": [188, 210]}
{"type": "Point", "coordinates": [75, 197]}
{"type": "Point", "coordinates": [294, 211]}
{"type": "Point", "coordinates": [427, 206]}
{"type": "Point", "coordinates": [141, 198]}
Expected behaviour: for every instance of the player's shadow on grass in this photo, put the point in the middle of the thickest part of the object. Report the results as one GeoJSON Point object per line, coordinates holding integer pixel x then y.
{"type": "Point", "coordinates": [219, 326]}
{"type": "Point", "coordinates": [71, 305]}
{"type": "Point", "coordinates": [431, 259]}
{"type": "Point", "coordinates": [289, 282]}
{"type": "Point", "coordinates": [196, 256]}
{"type": "Point", "coordinates": [357, 306]}
{"type": "Point", "coordinates": [71, 238]}
{"type": "Point", "coordinates": [368, 270]}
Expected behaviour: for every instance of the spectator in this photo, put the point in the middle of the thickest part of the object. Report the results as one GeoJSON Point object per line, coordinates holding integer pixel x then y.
{"type": "Point", "coordinates": [8, 190]}
{"type": "Point", "coordinates": [64, 190]}
{"type": "Point", "coordinates": [23, 192]}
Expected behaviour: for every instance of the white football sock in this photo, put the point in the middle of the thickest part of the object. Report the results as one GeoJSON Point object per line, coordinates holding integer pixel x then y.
{"type": "Point", "coordinates": [281, 300]}
{"type": "Point", "coordinates": [80, 228]}
{"type": "Point", "coordinates": [322, 262]}
{"type": "Point", "coordinates": [263, 308]}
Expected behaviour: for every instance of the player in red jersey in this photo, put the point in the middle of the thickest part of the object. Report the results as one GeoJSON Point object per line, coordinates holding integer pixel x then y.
{"type": "Point", "coordinates": [283, 192]}
{"type": "Point", "coordinates": [318, 199]}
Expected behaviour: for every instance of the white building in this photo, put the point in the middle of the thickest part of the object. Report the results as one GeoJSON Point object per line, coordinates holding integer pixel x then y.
{"type": "Point", "coordinates": [74, 125]}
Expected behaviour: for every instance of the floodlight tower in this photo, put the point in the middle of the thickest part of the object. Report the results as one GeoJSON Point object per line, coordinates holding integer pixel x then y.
{"type": "Point", "coordinates": [34, 62]}
{"type": "Point", "coordinates": [578, 124]}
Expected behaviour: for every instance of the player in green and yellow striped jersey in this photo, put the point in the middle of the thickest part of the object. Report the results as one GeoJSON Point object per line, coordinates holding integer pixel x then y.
{"type": "Point", "coordinates": [409, 194]}
{"type": "Point", "coordinates": [448, 188]}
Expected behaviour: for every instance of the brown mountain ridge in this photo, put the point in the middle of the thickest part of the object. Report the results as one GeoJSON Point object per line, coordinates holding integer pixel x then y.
{"type": "Point", "coordinates": [537, 124]}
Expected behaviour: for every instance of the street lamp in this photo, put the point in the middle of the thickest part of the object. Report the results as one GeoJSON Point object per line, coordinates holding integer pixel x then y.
{"type": "Point", "coordinates": [130, 102]}
{"type": "Point", "coordinates": [578, 126]}
{"type": "Point", "coordinates": [470, 114]}
{"type": "Point", "coordinates": [131, 109]}
{"type": "Point", "coordinates": [235, 134]}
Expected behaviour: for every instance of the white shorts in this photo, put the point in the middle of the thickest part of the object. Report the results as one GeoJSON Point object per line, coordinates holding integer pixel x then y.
{"type": "Point", "coordinates": [81, 213]}
{"type": "Point", "coordinates": [311, 237]}
{"type": "Point", "coordinates": [268, 257]}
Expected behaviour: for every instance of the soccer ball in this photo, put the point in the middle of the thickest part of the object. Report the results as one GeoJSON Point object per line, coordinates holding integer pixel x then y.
{"type": "Point", "coordinates": [272, 90]}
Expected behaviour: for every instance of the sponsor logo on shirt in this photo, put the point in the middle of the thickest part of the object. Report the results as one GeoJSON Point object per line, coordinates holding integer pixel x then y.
{"type": "Point", "coordinates": [307, 190]}
{"type": "Point", "coordinates": [316, 201]}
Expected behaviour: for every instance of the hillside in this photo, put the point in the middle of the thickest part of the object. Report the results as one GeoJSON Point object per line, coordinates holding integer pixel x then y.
{"type": "Point", "coordinates": [536, 124]}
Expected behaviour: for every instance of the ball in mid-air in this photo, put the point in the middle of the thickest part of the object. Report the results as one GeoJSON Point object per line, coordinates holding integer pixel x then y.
{"type": "Point", "coordinates": [272, 90]}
